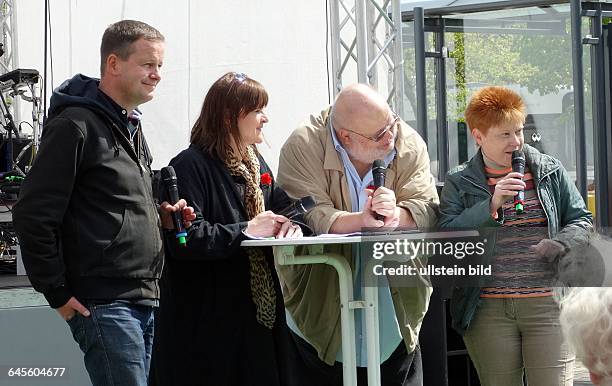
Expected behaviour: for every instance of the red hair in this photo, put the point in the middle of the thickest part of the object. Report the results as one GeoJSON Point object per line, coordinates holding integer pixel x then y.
{"type": "Point", "coordinates": [494, 106]}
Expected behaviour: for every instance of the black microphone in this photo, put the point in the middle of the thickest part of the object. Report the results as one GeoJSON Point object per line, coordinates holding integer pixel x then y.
{"type": "Point", "coordinates": [298, 207]}
{"type": "Point", "coordinates": [379, 171]}
{"type": "Point", "coordinates": [518, 165]}
{"type": "Point", "coordinates": [168, 177]}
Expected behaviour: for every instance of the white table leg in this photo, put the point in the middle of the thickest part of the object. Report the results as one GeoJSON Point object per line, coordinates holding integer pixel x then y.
{"type": "Point", "coordinates": [347, 317]}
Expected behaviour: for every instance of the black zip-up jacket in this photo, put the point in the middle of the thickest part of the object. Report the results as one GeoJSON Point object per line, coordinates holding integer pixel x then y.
{"type": "Point", "coordinates": [86, 219]}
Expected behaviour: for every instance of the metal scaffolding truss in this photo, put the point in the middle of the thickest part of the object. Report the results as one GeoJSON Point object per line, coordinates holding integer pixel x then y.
{"type": "Point", "coordinates": [363, 31]}
{"type": "Point", "coordinates": [8, 61]}
{"type": "Point", "coordinates": [9, 36]}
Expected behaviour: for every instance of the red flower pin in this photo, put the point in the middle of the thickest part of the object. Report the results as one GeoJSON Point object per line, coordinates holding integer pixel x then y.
{"type": "Point", "coordinates": [266, 179]}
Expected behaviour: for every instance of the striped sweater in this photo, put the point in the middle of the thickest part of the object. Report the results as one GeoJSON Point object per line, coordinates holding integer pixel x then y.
{"type": "Point", "coordinates": [518, 272]}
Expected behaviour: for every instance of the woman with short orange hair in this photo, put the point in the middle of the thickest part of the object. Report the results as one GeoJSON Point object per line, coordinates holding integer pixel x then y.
{"type": "Point", "coordinates": [510, 324]}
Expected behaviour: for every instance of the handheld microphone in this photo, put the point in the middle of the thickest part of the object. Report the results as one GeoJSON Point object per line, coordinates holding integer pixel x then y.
{"type": "Point", "coordinates": [379, 171]}
{"type": "Point", "coordinates": [518, 165]}
{"type": "Point", "coordinates": [168, 177]}
{"type": "Point", "coordinates": [298, 207]}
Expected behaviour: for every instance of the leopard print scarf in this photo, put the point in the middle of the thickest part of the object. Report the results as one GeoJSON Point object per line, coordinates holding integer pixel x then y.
{"type": "Point", "coordinates": [262, 285]}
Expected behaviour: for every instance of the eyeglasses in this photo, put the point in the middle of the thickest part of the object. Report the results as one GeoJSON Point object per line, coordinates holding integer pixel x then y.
{"type": "Point", "coordinates": [240, 76]}
{"type": "Point", "coordinates": [382, 132]}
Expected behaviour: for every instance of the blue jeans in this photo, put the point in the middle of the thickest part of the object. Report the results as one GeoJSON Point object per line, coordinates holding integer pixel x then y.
{"type": "Point", "coordinates": [117, 340]}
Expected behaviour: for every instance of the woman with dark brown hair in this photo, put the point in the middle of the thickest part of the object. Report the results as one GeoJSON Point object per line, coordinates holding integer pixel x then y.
{"type": "Point", "coordinates": [222, 314]}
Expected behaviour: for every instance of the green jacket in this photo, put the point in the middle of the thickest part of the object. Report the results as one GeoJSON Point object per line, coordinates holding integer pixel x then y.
{"type": "Point", "coordinates": [465, 200]}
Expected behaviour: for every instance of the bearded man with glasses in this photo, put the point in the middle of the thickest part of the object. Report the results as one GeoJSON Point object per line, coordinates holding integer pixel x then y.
{"type": "Point", "coordinates": [330, 158]}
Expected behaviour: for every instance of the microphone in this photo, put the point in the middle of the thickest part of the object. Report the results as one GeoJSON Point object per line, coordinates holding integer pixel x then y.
{"type": "Point", "coordinates": [300, 206]}
{"type": "Point", "coordinates": [518, 165]}
{"type": "Point", "coordinates": [378, 173]}
{"type": "Point", "coordinates": [168, 177]}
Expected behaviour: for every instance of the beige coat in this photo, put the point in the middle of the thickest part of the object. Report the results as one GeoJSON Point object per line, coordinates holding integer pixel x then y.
{"type": "Point", "coordinates": [310, 165]}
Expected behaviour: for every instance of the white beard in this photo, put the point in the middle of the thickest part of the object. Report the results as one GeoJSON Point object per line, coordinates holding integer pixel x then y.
{"type": "Point", "coordinates": [366, 154]}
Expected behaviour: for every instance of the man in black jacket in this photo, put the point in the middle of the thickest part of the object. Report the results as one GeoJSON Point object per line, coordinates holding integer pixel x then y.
{"type": "Point", "coordinates": [86, 218]}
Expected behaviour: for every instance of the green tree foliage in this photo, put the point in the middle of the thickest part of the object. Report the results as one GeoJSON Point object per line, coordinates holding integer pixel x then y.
{"type": "Point", "coordinates": [539, 62]}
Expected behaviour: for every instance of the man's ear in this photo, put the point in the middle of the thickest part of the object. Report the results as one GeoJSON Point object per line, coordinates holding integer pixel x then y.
{"type": "Point", "coordinates": [112, 64]}
{"type": "Point", "coordinates": [343, 136]}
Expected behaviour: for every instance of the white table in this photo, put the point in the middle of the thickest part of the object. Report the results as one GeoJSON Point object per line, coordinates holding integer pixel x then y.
{"type": "Point", "coordinates": [284, 254]}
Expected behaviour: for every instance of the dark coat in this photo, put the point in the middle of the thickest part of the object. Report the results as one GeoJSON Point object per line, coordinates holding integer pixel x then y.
{"type": "Point", "coordinates": [86, 219]}
{"type": "Point", "coordinates": [208, 333]}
